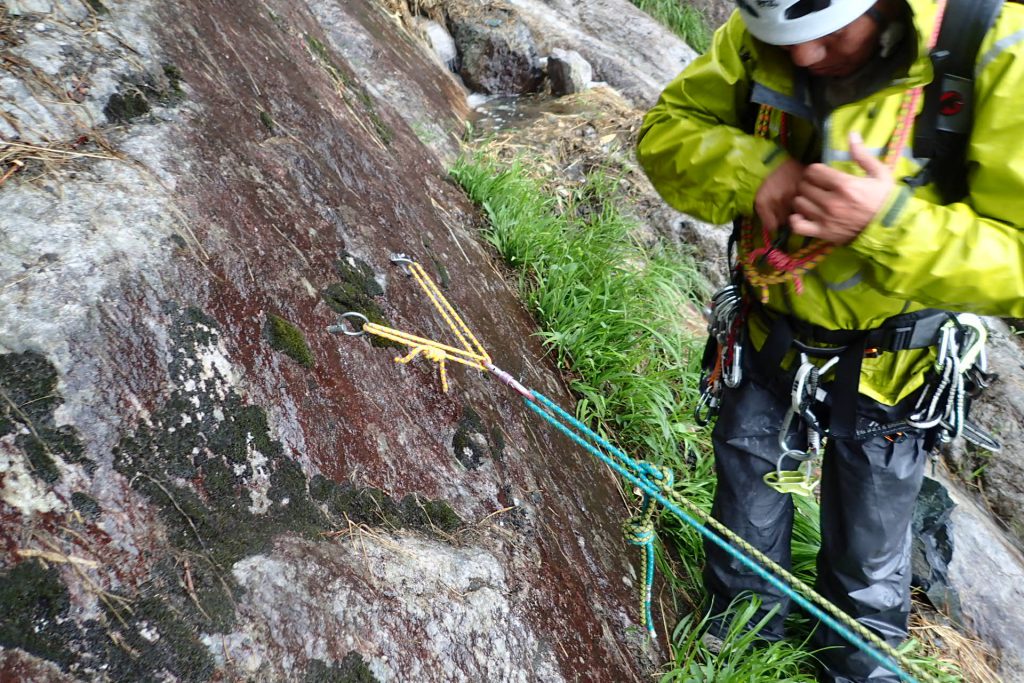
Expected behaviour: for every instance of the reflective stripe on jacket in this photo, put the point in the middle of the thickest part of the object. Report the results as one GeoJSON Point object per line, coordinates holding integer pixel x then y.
{"type": "Point", "coordinates": [916, 253]}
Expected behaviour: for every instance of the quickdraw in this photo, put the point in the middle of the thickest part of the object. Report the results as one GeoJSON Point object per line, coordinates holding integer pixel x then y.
{"type": "Point", "coordinates": [725, 340]}
{"type": "Point", "coordinates": [961, 370]}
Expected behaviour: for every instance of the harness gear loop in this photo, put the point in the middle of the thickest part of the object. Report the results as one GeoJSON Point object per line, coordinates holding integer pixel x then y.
{"type": "Point", "coordinates": [725, 314]}
{"type": "Point", "coordinates": [960, 361]}
{"type": "Point", "coordinates": [806, 391]}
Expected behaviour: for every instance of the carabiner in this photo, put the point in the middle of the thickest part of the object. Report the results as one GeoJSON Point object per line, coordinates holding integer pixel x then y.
{"type": "Point", "coordinates": [706, 408]}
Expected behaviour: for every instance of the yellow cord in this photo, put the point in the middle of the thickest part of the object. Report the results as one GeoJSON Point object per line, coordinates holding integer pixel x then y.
{"type": "Point", "coordinates": [472, 354]}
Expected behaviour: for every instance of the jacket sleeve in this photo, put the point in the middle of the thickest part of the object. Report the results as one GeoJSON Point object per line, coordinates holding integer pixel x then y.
{"type": "Point", "coordinates": [691, 143]}
{"type": "Point", "coordinates": [969, 255]}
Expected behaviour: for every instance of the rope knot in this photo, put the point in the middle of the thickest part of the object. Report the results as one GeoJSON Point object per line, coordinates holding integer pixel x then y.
{"type": "Point", "coordinates": [660, 475]}
{"type": "Point", "coordinates": [432, 353]}
{"type": "Point", "coordinates": [639, 530]}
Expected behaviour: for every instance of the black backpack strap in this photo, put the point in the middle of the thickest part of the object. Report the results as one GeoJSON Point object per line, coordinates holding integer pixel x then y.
{"type": "Point", "coordinates": [943, 128]}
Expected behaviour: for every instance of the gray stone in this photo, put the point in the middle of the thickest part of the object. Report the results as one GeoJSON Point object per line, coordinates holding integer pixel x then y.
{"type": "Point", "coordinates": [497, 53]}
{"type": "Point", "coordinates": [25, 7]}
{"type": "Point", "coordinates": [987, 573]}
{"type": "Point", "coordinates": [568, 72]}
{"type": "Point", "coordinates": [626, 47]}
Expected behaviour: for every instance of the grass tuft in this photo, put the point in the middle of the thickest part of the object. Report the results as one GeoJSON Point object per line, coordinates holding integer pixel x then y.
{"type": "Point", "coordinates": [743, 657]}
{"type": "Point", "coordinates": [685, 21]}
{"type": "Point", "coordinates": [610, 310]}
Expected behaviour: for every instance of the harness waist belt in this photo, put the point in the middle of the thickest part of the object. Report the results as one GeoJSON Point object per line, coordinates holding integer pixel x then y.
{"type": "Point", "coordinates": [917, 330]}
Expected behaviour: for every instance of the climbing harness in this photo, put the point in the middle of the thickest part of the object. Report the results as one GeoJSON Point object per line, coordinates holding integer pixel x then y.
{"type": "Point", "coordinates": [654, 483]}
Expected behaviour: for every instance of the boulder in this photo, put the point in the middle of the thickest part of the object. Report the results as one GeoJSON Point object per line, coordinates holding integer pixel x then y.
{"type": "Point", "coordinates": [568, 72]}
{"type": "Point", "coordinates": [626, 47]}
{"type": "Point", "coordinates": [986, 573]}
{"type": "Point", "coordinates": [497, 53]}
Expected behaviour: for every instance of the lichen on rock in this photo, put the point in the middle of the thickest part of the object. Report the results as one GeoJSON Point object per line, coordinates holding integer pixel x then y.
{"type": "Point", "coordinates": [33, 447]}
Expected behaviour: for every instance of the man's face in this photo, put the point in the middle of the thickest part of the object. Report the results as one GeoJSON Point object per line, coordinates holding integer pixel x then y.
{"type": "Point", "coordinates": [840, 53]}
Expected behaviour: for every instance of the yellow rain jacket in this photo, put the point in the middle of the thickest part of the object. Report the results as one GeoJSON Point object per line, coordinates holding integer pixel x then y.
{"type": "Point", "coordinates": [916, 253]}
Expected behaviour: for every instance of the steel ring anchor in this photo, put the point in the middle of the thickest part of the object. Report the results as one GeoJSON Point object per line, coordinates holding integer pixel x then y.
{"type": "Point", "coordinates": [343, 329]}
{"type": "Point", "coordinates": [403, 261]}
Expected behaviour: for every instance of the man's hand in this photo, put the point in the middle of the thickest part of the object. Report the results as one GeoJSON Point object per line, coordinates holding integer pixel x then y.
{"type": "Point", "coordinates": [774, 199]}
{"type": "Point", "coordinates": [836, 206]}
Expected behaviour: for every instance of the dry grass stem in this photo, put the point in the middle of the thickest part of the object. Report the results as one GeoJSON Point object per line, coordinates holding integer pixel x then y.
{"type": "Point", "coordinates": [55, 557]}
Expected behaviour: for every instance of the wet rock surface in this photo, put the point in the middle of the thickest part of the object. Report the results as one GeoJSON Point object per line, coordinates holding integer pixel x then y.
{"type": "Point", "coordinates": [986, 572]}
{"type": "Point", "coordinates": [198, 482]}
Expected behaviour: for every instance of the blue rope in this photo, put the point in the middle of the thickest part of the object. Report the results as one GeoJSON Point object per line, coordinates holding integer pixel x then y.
{"type": "Point", "coordinates": [639, 531]}
{"type": "Point", "coordinates": [642, 470]}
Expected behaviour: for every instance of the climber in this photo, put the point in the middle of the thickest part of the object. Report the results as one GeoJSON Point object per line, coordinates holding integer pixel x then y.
{"type": "Point", "coordinates": [799, 125]}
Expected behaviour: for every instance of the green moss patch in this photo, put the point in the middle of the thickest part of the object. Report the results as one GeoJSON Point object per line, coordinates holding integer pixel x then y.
{"type": "Point", "coordinates": [132, 644]}
{"type": "Point", "coordinates": [289, 340]}
{"type": "Point", "coordinates": [32, 602]}
{"type": "Point", "coordinates": [354, 292]}
{"type": "Point", "coordinates": [373, 507]}
{"type": "Point", "coordinates": [123, 107]}
{"type": "Point", "coordinates": [137, 95]}
{"type": "Point", "coordinates": [267, 120]}
{"type": "Point", "coordinates": [86, 505]}
{"type": "Point", "coordinates": [28, 382]}
{"type": "Point", "coordinates": [173, 92]}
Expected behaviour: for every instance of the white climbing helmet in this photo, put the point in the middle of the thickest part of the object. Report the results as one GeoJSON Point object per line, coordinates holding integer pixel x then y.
{"type": "Point", "coordinates": [788, 22]}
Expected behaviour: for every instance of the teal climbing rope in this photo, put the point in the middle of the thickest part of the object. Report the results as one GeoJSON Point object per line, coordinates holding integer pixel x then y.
{"type": "Point", "coordinates": [637, 474]}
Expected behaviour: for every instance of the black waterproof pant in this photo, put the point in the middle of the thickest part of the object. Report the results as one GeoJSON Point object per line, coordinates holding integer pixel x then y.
{"type": "Point", "coordinates": [868, 490]}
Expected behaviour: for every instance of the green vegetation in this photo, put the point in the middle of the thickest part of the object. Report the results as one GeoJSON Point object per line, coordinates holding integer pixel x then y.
{"type": "Point", "coordinates": [289, 340]}
{"type": "Point", "coordinates": [267, 120]}
{"type": "Point", "coordinates": [742, 657]}
{"type": "Point", "coordinates": [685, 21]}
{"type": "Point", "coordinates": [610, 311]}
{"type": "Point", "coordinates": [28, 401]}
{"type": "Point", "coordinates": [351, 669]}
{"type": "Point", "coordinates": [33, 598]}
